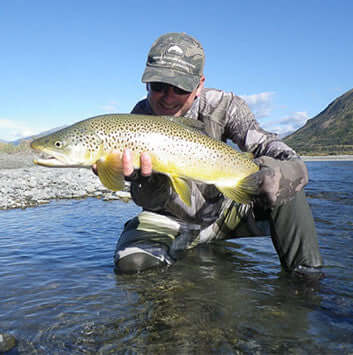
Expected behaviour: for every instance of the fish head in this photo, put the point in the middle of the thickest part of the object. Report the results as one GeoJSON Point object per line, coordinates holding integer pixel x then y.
{"type": "Point", "coordinates": [72, 146]}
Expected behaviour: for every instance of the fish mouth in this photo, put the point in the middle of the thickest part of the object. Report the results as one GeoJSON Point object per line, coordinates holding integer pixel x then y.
{"type": "Point", "coordinates": [50, 162]}
{"type": "Point", "coordinates": [57, 160]}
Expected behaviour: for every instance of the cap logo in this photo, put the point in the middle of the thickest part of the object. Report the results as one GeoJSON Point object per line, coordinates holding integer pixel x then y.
{"type": "Point", "coordinates": [176, 59]}
{"type": "Point", "coordinates": [176, 49]}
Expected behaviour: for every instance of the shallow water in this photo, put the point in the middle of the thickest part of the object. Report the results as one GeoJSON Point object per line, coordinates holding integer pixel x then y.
{"type": "Point", "coordinates": [59, 293]}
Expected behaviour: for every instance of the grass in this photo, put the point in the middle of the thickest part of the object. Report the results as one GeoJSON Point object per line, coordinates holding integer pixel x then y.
{"type": "Point", "coordinates": [9, 148]}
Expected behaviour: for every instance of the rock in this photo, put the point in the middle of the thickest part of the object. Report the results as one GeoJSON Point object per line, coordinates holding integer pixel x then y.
{"type": "Point", "coordinates": [123, 194]}
{"type": "Point", "coordinates": [33, 186]}
{"type": "Point", "coordinates": [7, 342]}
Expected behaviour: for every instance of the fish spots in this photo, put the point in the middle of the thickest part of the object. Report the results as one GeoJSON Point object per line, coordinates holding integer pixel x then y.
{"type": "Point", "coordinates": [174, 144]}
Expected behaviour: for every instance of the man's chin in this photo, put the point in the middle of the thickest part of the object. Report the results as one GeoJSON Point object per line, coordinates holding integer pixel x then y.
{"type": "Point", "coordinates": [163, 111]}
{"type": "Point", "coordinates": [168, 113]}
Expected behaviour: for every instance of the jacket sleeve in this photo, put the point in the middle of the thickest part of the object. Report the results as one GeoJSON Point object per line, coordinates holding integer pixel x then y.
{"type": "Point", "coordinates": [243, 129]}
{"type": "Point", "coordinates": [282, 172]}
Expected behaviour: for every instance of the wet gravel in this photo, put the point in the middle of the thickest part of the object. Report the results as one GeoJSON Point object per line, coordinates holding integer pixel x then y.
{"type": "Point", "coordinates": [23, 184]}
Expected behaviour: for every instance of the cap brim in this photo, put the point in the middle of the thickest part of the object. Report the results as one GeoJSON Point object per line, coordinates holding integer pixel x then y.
{"type": "Point", "coordinates": [183, 81]}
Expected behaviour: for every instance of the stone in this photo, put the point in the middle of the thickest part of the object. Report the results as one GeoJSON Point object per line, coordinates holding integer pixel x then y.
{"type": "Point", "coordinates": [7, 342]}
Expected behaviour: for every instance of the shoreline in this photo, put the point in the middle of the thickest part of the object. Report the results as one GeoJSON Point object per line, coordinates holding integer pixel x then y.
{"type": "Point", "coordinates": [327, 157]}
{"type": "Point", "coordinates": [23, 184]}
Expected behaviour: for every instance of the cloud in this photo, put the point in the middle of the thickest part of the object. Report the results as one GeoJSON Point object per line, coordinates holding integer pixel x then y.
{"type": "Point", "coordinates": [287, 124]}
{"type": "Point", "coordinates": [110, 107]}
{"type": "Point", "coordinates": [260, 104]}
{"type": "Point", "coordinates": [12, 130]}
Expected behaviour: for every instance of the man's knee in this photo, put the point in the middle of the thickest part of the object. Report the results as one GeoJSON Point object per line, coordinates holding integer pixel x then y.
{"type": "Point", "coordinates": [137, 262]}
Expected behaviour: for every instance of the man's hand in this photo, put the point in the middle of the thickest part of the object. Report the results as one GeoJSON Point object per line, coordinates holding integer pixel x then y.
{"type": "Point", "coordinates": [128, 168]}
{"type": "Point", "coordinates": [150, 191]}
{"type": "Point", "coordinates": [268, 181]}
{"type": "Point", "coordinates": [145, 164]}
{"type": "Point", "coordinates": [279, 180]}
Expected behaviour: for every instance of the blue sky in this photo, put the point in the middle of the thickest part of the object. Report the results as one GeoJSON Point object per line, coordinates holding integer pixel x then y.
{"type": "Point", "coordinates": [62, 61]}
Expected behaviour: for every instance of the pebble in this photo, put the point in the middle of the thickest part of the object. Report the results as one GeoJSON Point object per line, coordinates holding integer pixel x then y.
{"type": "Point", "coordinates": [31, 185]}
{"type": "Point", "coordinates": [7, 342]}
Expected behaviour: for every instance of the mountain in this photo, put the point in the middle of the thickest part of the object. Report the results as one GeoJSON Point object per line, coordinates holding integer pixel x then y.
{"type": "Point", "coordinates": [328, 133]}
{"type": "Point", "coordinates": [285, 134]}
{"type": "Point", "coordinates": [30, 138]}
{"type": "Point", "coordinates": [23, 144]}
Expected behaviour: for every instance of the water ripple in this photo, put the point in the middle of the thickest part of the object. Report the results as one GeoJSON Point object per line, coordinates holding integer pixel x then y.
{"type": "Point", "coordinates": [60, 294]}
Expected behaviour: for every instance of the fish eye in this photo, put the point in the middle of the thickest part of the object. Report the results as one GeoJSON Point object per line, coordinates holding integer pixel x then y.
{"type": "Point", "coordinates": [58, 144]}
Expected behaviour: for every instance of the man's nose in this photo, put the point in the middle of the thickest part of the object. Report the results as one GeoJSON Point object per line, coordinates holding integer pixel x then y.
{"type": "Point", "coordinates": [168, 92]}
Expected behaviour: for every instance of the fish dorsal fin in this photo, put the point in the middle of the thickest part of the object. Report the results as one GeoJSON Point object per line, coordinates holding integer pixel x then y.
{"type": "Point", "coordinates": [182, 189]}
{"type": "Point", "coordinates": [186, 121]}
{"type": "Point", "coordinates": [244, 191]}
{"type": "Point", "coordinates": [247, 155]}
{"type": "Point", "coordinates": [110, 172]}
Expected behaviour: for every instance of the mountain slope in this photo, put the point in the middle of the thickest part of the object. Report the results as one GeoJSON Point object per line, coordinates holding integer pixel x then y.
{"type": "Point", "coordinates": [330, 132]}
{"type": "Point", "coordinates": [30, 138]}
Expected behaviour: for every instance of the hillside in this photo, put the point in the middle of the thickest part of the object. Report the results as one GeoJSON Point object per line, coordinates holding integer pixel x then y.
{"type": "Point", "coordinates": [22, 144]}
{"type": "Point", "coordinates": [11, 148]}
{"type": "Point", "coordinates": [328, 133]}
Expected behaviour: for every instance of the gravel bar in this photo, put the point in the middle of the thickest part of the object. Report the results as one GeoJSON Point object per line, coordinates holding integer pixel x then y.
{"type": "Point", "coordinates": [23, 184]}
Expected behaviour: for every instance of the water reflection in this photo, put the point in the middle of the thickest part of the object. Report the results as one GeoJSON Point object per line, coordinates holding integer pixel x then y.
{"type": "Point", "coordinates": [59, 293]}
{"type": "Point", "coordinates": [201, 305]}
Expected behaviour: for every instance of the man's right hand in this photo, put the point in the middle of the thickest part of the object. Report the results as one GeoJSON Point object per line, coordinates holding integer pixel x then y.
{"type": "Point", "coordinates": [145, 164]}
{"type": "Point", "coordinates": [150, 191]}
{"type": "Point", "coordinates": [127, 165]}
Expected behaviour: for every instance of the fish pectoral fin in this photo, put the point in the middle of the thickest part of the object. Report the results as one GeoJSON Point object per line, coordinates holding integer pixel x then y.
{"type": "Point", "coordinates": [243, 191]}
{"type": "Point", "coordinates": [182, 189]}
{"type": "Point", "coordinates": [110, 172]}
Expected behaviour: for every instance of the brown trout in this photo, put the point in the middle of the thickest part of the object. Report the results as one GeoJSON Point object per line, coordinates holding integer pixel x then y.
{"type": "Point", "coordinates": [177, 148]}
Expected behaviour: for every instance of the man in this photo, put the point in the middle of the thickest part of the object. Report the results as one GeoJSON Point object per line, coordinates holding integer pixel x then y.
{"type": "Point", "coordinates": [167, 227]}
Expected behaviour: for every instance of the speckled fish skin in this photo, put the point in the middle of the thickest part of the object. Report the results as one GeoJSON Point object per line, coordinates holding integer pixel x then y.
{"type": "Point", "coordinates": [176, 150]}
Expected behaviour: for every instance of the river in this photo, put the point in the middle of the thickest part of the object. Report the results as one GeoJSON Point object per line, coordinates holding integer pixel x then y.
{"type": "Point", "coordinates": [60, 295]}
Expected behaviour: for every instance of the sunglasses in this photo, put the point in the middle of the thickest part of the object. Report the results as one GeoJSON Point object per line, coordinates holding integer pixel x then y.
{"type": "Point", "coordinates": [162, 87]}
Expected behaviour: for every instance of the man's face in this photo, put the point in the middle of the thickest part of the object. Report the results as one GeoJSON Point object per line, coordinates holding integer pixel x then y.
{"type": "Point", "coordinates": [170, 102]}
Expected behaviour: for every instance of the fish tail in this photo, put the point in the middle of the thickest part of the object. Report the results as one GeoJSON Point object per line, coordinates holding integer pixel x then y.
{"type": "Point", "coordinates": [244, 191]}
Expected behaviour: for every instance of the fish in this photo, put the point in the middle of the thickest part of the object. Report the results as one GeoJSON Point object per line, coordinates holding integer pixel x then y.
{"type": "Point", "coordinates": [178, 146]}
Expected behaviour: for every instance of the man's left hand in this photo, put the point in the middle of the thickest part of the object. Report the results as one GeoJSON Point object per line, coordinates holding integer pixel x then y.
{"type": "Point", "coordinates": [279, 180]}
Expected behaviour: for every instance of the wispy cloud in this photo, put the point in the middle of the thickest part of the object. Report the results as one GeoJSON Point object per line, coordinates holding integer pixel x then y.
{"type": "Point", "coordinates": [11, 130]}
{"type": "Point", "coordinates": [287, 124]}
{"type": "Point", "coordinates": [110, 107]}
{"type": "Point", "coordinates": [260, 104]}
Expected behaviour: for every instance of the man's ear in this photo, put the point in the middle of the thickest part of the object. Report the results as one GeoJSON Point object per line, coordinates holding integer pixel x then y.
{"type": "Point", "coordinates": [201, 85]}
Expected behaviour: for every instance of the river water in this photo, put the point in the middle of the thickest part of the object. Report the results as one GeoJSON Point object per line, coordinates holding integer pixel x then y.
{"type": "Point", "coordinates": [60, 295]}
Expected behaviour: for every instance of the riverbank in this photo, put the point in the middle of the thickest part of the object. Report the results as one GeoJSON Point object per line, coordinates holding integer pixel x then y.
{"type": "Point", "coordinates": [327, 157]}
{"type": "Point", "coordinates": [23, 184]}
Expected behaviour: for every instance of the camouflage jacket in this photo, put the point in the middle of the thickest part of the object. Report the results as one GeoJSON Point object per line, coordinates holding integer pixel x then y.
{"type": "Point", "coordinates": [225, 117]}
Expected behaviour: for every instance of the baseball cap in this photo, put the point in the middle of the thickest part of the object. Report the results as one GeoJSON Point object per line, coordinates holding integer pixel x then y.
{"type": "Point", "coordinates": [176, 59]}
